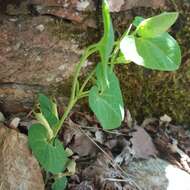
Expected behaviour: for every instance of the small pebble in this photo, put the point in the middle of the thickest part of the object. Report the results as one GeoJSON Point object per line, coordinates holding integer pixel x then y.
{"type": "Point", "coordinates": [40, 28]}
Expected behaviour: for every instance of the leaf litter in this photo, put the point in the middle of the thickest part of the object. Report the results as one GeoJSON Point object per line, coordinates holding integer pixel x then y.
{"type": "Point", "coordinates": [105, 166]}
{"type": "Point", "coordinates": [108, 159]}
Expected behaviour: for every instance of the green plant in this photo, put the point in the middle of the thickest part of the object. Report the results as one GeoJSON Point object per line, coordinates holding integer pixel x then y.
{"type": "Point", "coordinates": [148, 45]}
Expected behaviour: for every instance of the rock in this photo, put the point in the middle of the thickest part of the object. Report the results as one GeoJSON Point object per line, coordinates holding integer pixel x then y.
{"type": "Point", "coordinates": [19, 169]}
{"type": "Point", "coordinates": [82, 5]}
{"type": "Point", "coordinates": [130, 4]}
{"type": "Point", "coordinates": [17, 98]}
{"type": "Point", "coordinates": [32, 61]}
{"type": "Point", "coordinates": [159, 175]}
{"type": "Point", "coordinates": [78, 10]}
{"type": "Point", "coordinates": [115, 6]}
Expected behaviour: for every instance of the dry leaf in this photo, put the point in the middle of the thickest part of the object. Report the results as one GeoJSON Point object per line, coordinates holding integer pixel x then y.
{"type": "Point", "coordinates": [77, 141]}
{"type": "Point", "coordinates": [15, 122]}
{"type": "Point", "coordinates": [99, 136]}
{"type": "Point", "coordinates": [142, 144]}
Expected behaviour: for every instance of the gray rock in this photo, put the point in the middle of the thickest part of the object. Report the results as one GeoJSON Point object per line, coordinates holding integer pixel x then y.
{"type": "Point", "coordinates": [33, 61]}
{"type": "Point", "coordinates": [157, 174]}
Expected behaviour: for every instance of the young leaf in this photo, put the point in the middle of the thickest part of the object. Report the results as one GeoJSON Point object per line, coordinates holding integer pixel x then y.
{"type": "Point", "coordinates": [108, 104]}
{"type": "Point", "coordinates": [137, 20]}
{"type": "Point", "coordinates": [60, 183]}
{"type": "Point", "coordinates": [51, 155]}
{"type": "Point", "coordinates": [41, 119]}
{"type": "Point", "coordinates": [156, 25]}
{"type": "Point", "coordinates": [107, 42]}
{"type": "Point", "coordinates": [48, 109]}
{"type": "Point", "coordinates": [160, 53]}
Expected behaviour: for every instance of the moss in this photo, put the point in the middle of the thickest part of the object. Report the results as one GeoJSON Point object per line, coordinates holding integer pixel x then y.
{"type": "Point", "coordinates": [149, 93]}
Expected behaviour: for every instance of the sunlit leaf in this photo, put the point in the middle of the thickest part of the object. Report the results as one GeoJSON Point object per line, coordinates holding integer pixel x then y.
{"type": "Point", "coordinates": [51, 155]}
{"type": "Point", "coordinates": [156, 25]}
{"type": "Point", "coordinates": [160, 53]}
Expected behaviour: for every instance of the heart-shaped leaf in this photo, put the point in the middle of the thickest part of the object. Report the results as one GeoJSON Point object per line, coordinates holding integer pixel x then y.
{"type": "Point", "coordinates": [160, 53]}
{"type": "Point", "coordinates": [51, 155]}
{"type": "Point", "coordinates": [156, 25]}
{"type": "Point", "coordinates": [60, 183]}
{"type": "Point", "coordinates": [48, 109]}
{"type": "Point", "coordinates": [108, 104]}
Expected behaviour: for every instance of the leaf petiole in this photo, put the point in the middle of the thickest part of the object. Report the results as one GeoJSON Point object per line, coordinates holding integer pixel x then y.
{"type": "Point", "coordinates": [117, 47]}
{"type": "Point", "coordinates": [73, 98]}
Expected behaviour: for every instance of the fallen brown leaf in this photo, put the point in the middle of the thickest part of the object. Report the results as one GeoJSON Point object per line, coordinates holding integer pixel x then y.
{"type": "Point", "coordinates": [142, 144]}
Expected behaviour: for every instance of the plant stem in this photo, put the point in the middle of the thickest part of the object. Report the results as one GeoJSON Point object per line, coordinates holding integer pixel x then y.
{"type": "Point", "coordinates": [86, 80]}
{"type": "Point", "coordinates": [117, 48]}
{"type": "Point", "coordinates": [73, 98]}
{"type": "Point", "coordinates": [83, 94]}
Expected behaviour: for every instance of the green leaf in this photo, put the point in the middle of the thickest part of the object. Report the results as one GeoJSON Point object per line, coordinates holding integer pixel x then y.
{"type": "Point", "coordinates": [106, 44]}
{"type": "Point", "coordinates": [137, 21]}
{"type": "Point", "coordinates": [48, 109]}
{"type": "Point", "coordinates": [51, 155]}
{"type": "Point", "coordinates": [60, 183]}
{"type": "Point", "coordinates": [160, 53]}
{"type": "Point", "coordinates": [108, 104]}
{"type": "Point", "coordinates": [156, 25]}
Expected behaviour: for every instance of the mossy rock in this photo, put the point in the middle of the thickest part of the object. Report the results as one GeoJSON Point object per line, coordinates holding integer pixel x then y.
{"type": "Point", "coordinates": [150, 93]}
